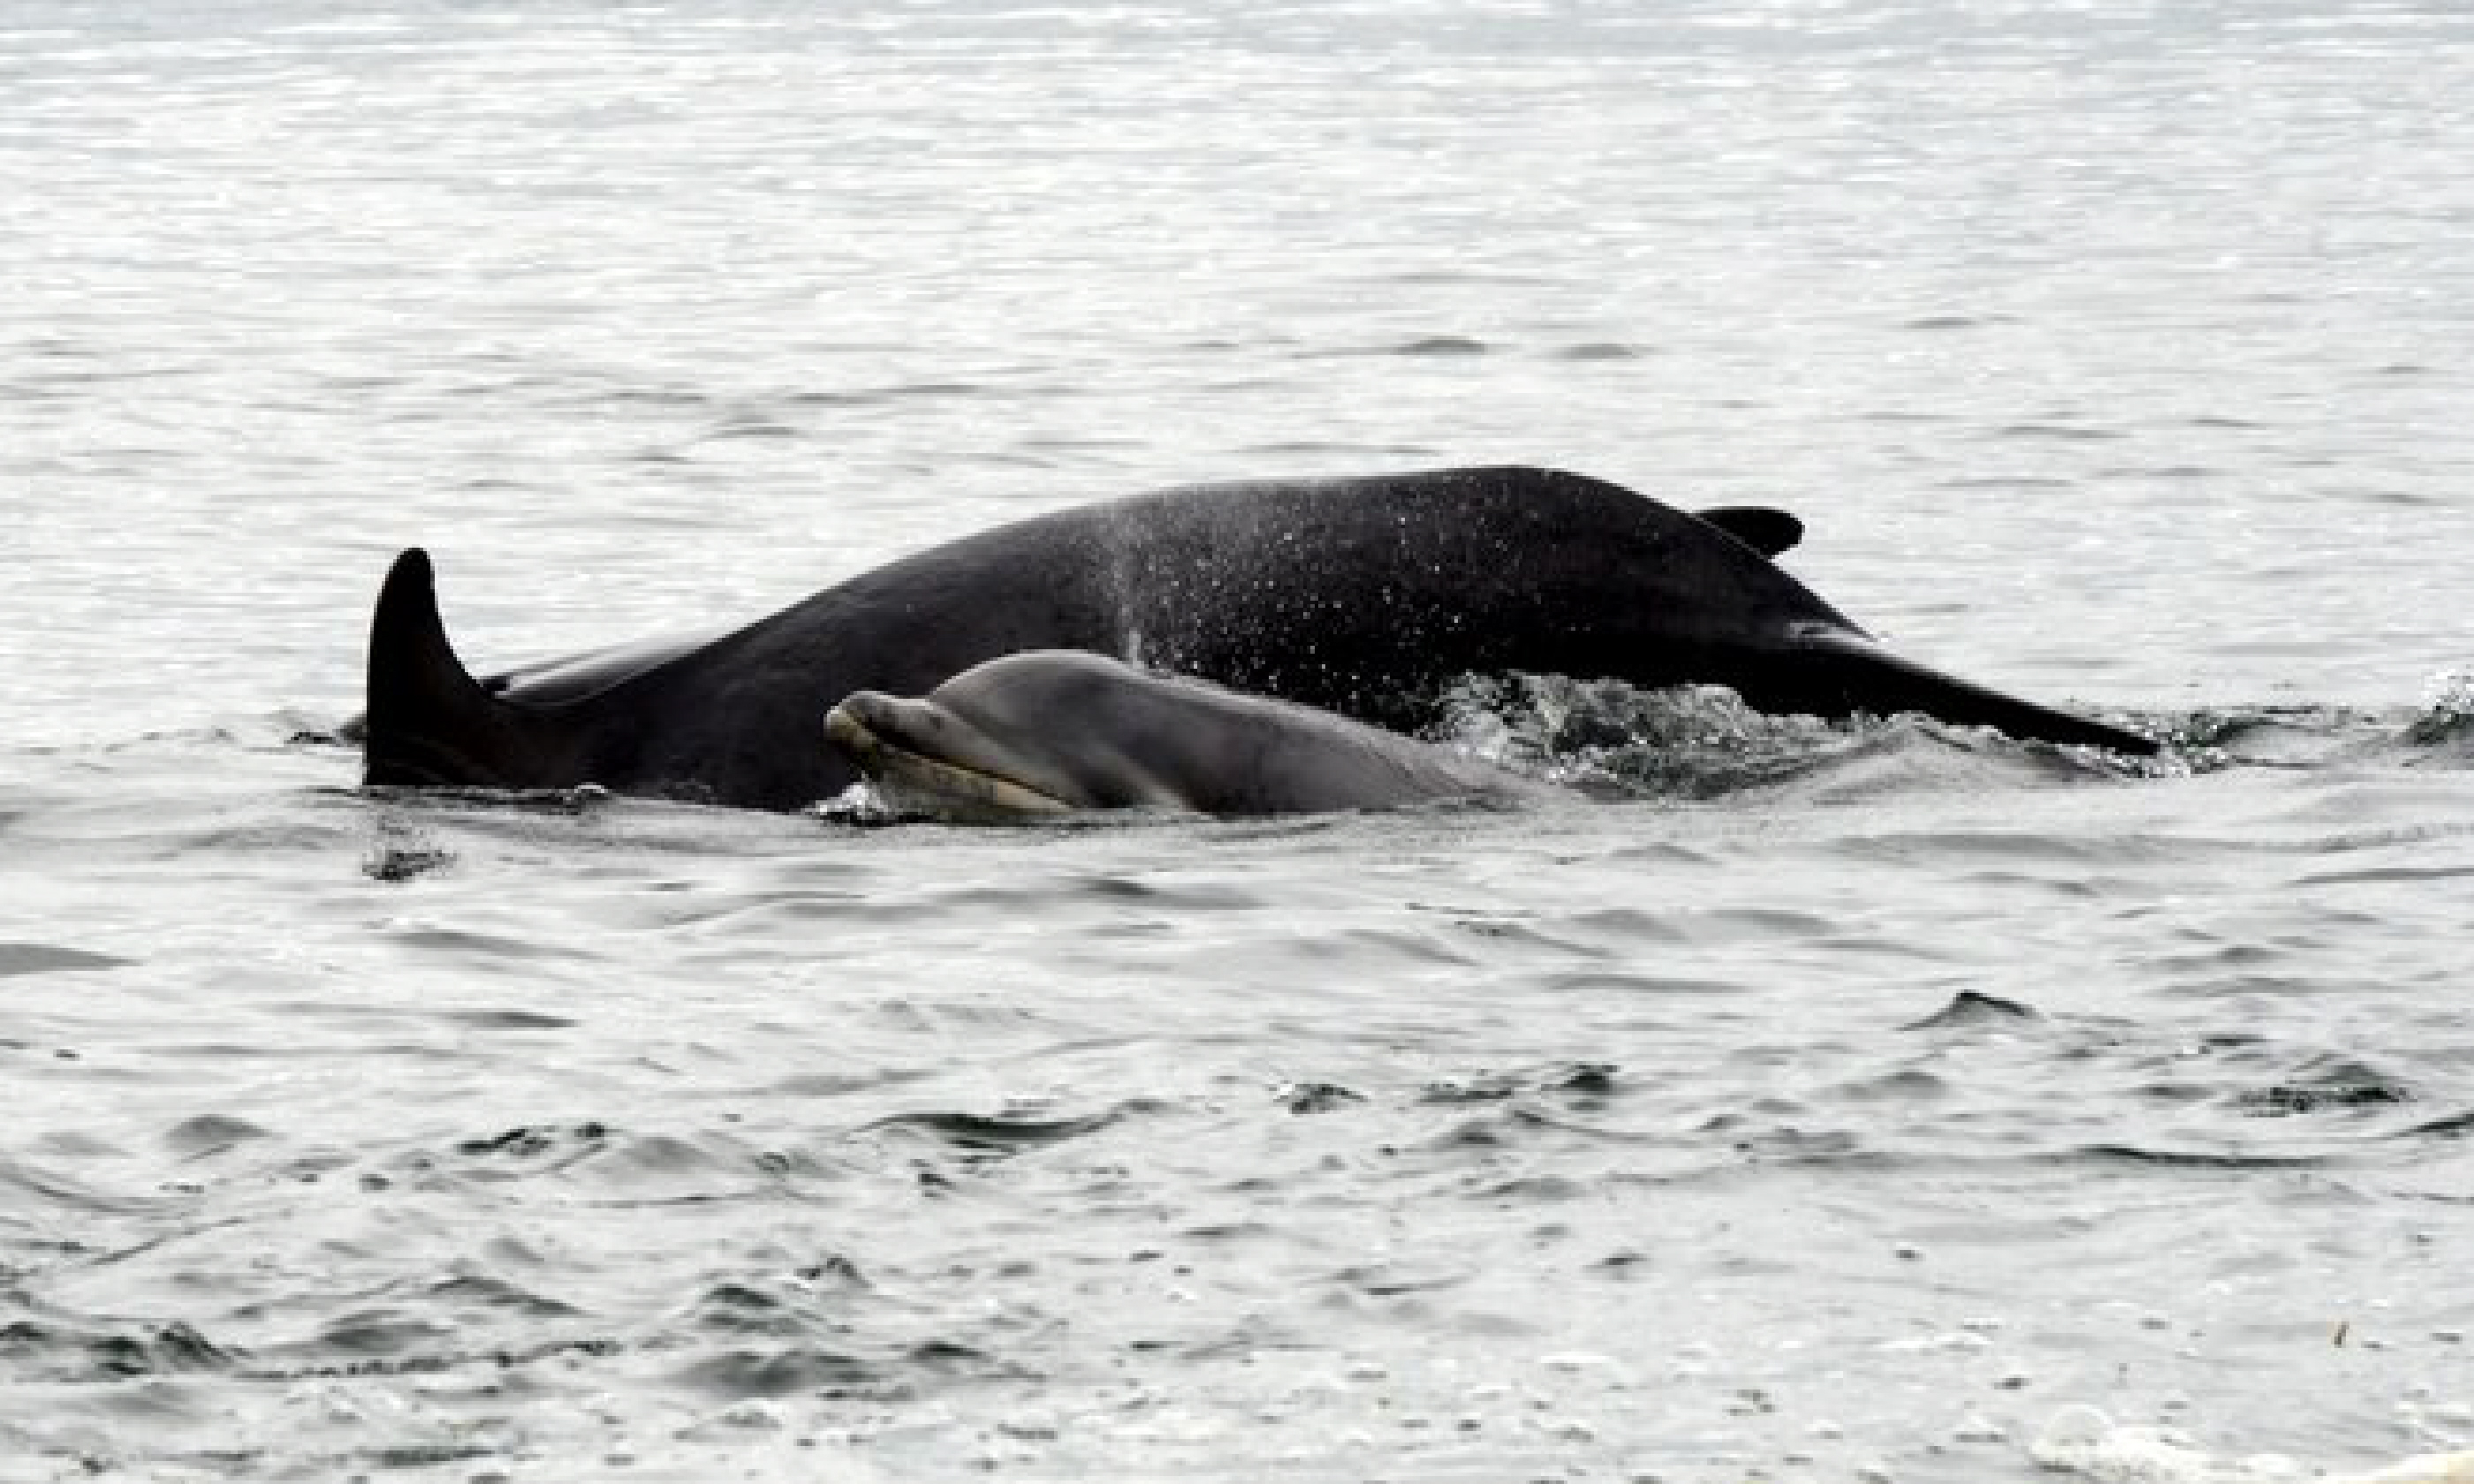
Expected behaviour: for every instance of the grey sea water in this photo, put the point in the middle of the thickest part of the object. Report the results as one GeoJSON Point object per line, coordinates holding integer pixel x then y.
{"type": "Point", "coordinates": [1879, 1101]}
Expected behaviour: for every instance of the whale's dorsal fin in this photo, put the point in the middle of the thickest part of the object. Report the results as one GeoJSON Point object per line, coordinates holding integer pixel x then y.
{"type": "Point", "coordinates": [428, 720]}
{"type": "Point", "coordinates": [1765, 530]}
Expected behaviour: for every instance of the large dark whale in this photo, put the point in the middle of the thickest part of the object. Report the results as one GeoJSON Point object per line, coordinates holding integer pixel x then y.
{"type": "Point", "coordinates": [1363, 596]}
{"type": "Point", "coordinates": [1046, 730]}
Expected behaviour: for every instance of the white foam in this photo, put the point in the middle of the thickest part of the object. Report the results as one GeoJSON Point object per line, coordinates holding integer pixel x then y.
{"type": "Point", "coordinates": [2083, 1441]}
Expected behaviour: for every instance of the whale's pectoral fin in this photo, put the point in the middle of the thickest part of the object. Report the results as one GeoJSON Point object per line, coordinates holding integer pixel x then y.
{"type": "Point", "coordinates": [1765, 530]}
{"type": "Point", "coordinates": [428, 720]}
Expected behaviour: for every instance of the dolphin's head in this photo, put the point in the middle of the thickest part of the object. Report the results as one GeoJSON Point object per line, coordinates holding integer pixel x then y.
{"type": "Point", "coordinates": [923, 758]}
{"type": "Point", "coordinates": [1024, 736]}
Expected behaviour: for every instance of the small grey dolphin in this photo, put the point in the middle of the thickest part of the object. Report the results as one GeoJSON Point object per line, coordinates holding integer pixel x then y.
{"type": "Point", "coordinates": [1045, 730]}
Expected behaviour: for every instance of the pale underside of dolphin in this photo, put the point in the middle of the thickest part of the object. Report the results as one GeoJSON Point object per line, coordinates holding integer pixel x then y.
{"type": "Point", "coordinates": [1365, 596]}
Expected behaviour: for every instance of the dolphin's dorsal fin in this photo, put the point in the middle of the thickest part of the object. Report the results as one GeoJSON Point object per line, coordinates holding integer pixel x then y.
{"type": "Point", "coordinates": [428, 720]}
{"type": "Point", "coordinates": [1765, 530]}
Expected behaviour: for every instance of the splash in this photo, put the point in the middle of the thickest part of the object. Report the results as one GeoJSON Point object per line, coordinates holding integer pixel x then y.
{"type": "Point", "coordinates": [2447, 709]}
{"type": "Point", "coordinates": [1701, 742]}
{"type": "Point", "coordinates": [2083, 1441]}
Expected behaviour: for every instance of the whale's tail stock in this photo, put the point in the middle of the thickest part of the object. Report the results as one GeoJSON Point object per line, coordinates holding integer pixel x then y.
{"type": "Point", "coordinates": [1834, 672]}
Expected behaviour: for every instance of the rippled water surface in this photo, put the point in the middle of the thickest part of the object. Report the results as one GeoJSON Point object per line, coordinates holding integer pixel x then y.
{"type": "Point", "coordinates": [1854, 1102]}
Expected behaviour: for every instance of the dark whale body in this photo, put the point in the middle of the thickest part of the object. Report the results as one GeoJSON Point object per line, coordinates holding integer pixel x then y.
{"type": "Point", "coordinates": [1364, 596]}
